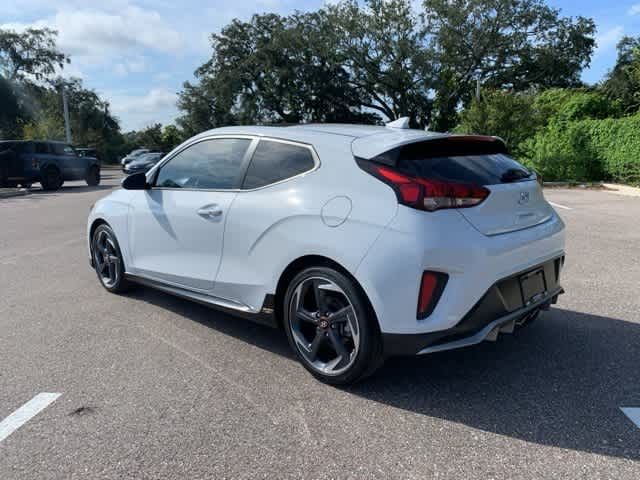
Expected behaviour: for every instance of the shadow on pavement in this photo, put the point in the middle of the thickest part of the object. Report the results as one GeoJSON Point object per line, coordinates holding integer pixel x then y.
{"type": "Point", "coordinates": [558, 382]}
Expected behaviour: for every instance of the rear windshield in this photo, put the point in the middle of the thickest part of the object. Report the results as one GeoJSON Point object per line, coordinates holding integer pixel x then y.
{"type": "Point", "coordinates": [481, 162]}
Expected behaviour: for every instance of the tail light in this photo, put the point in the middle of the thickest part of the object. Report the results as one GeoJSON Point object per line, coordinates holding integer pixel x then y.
{"type": "Point", "coordinates": [431, 288]}
{"type": "Point", "coordinates": [427, 194]}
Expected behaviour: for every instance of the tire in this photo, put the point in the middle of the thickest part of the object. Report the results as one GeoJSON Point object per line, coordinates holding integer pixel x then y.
{"type": "Point", "coordinates": [107, 260]}
{"type": "Point", "coordinates": [25, 185]}
{"type": "Point", "coordinates": [93, 176]}
{"type": "Point", "coordinates": [331, 326]}
{"type": "Point", "coordinates": [51, 179]}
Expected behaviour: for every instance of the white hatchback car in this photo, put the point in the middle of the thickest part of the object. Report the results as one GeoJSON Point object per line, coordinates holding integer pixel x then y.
{"type": "Point", "coordinates": [360, 241]}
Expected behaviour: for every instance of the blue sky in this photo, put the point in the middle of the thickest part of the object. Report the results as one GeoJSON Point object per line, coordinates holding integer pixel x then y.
{"type": "Point", "coordinates": [137, 53]}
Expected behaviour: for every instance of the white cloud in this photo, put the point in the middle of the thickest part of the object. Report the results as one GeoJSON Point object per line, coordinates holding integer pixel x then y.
{"type": "Point", "coordinates": [634, 9]}
{"type": "Point", "coordinates": [607, 40]}
{"type": "Point", "coordinates": [96, 37]}
{"type": "Point", "coordinates": [137, 64]}
{"type": "Point", "coordinates": [139, 111]}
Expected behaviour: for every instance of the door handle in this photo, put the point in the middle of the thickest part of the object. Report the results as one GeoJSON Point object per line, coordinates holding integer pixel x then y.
{"type": "Point", "coordinates": [210, 211]}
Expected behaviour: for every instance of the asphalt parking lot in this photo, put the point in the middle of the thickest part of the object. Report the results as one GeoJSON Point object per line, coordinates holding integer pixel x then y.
{"type": "Point", "coordinates": [156, 387]}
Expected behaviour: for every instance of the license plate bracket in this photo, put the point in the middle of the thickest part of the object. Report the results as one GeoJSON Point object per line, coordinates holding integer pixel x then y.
{"type": "Point", "coordinates": [533, 286]}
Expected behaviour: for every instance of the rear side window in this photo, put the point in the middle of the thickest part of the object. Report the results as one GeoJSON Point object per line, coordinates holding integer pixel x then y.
{"type": "Point", "coordinates": [62, 149]}
{"type": "Point", "coordinates": [476, 162]}
{"type": "Point", "coordinates": [274, 161]}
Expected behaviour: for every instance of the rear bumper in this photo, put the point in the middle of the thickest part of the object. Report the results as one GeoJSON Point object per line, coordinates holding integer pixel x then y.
{"type": "Point", "coordinates": [501, 309]}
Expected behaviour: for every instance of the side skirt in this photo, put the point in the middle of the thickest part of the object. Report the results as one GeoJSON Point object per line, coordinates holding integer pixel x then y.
{"type": "Point", "coordinates": [265, 316]}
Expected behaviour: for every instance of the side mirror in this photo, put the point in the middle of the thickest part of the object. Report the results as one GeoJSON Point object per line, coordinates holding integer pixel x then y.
{"type": "Point", "coordinates": [136, 181]}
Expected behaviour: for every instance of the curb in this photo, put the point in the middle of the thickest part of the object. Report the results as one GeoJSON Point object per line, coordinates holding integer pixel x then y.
{"type": "Point", "coordinates": [9, 193]}
{"type": "Point", "coordinates": [574, 184]}
{"type": "Point", "coordinates": [618, 189]}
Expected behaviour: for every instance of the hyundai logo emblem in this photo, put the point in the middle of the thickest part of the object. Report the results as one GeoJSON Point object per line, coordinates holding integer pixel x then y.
{"type": "Point", "coordinates": [524, 198]}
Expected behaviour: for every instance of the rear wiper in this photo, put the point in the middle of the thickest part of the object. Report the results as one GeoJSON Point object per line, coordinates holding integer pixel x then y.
{"type": "Point", "coordinates": [514, 174]}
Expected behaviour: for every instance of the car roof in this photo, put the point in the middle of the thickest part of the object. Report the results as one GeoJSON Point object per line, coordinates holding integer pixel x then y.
{"type": "Point", "coordinates": [367, 141]}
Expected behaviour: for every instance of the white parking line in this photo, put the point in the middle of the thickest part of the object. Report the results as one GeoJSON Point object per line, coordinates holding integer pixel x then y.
{"type": "Point", "coordinates": [633, 414]}
{"type": "Point", "coordinates": [26, 413]}
{"type": "Point", "coordinates": [560, 206]}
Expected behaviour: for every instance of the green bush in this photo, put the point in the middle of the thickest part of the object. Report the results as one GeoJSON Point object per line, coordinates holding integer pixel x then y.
{"type": "Point", "coordinates": [587, 150]}
{"type": "Point", "coordinates": [564, 151]}
{"type": "Point", "coordinates": [505, 114]}
{"type": "Point", "coordinates": [573, 104]}
{"type": "Point", "coordinates": [618, 144]}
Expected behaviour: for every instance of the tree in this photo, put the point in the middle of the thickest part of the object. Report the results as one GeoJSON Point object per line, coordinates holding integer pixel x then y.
{"type": "Point", "coordinates": [509, 115]}
{"type": "Point", "coordinates": [623, 81]}
{"type": "Point", "coordinates": [171, 138]}
{"type": "Point", "coordinates": [272, 69]}
{"type": "Point", "coordinates": [92, 125]}
{"type": "Point", "coordinates": [384, 50]}
{"type": "Point", "coordinates": [516, 44]}
{"type": "Point", "coordinates": [150, 137]}
{"type": "Point", "coordinates": [32, 53]}
{"type": "Point", "coordinates": [9, 110]}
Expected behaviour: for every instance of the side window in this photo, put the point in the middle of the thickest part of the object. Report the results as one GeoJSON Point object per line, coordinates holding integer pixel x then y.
{"type": "Point", "coordinates": [68, 150]}
{"type": "Point", "coordinates": [42, 147]}
{"type": "Point", "coordinates": [212, 164]}
{"type": "Point", "coordinates": [274, 161]}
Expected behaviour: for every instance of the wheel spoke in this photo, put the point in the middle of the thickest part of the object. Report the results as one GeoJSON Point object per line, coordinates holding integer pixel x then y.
{"type": "Point", "coordinates": [342, 315]}
{"type": "Point", "coordinates": [338, 346]}
{"type": "Point", "coordinates": [110, 246]}
{"type": "Point", "coordinates": [305, 316]}
{"type": "Point", "coordinates": [315, 346]}
{"type": "Point", "coordinates": [112, 272]}
{"type": "Point", "coordinates": [319, 296]}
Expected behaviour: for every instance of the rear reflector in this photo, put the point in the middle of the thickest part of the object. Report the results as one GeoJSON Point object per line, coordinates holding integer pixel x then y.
{"type": "Point", "coordinates": [428, 194]}
{"type": "Point", "coordinates": [431, 288]}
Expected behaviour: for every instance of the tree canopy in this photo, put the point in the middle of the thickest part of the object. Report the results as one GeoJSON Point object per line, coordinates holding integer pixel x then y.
{"type": "Point", "coordinates": [383, 59]}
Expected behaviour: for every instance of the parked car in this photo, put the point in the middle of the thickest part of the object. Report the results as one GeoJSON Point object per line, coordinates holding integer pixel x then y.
{"type": "Point", "coordinates": [143, 163]}
{"type": "Point", "coordinates": [48, 162]}
{"type": "Point", "coordinates": [361, 242]}
{"type": "Point", "coordinates": [134, 154]}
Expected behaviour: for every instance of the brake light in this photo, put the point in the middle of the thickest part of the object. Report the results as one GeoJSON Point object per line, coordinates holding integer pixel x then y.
{"type": "Point", "coordinates": [428, 194]}
{"type": "Point", "coordinates": [431, 288]}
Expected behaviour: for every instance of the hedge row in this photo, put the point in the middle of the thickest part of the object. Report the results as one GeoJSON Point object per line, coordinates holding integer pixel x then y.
{"type": "Point", "coordinates": [588, 150]}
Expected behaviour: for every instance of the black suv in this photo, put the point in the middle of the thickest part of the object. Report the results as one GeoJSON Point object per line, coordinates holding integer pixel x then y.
{"type": "Point", "coordinates": [47, 162]}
